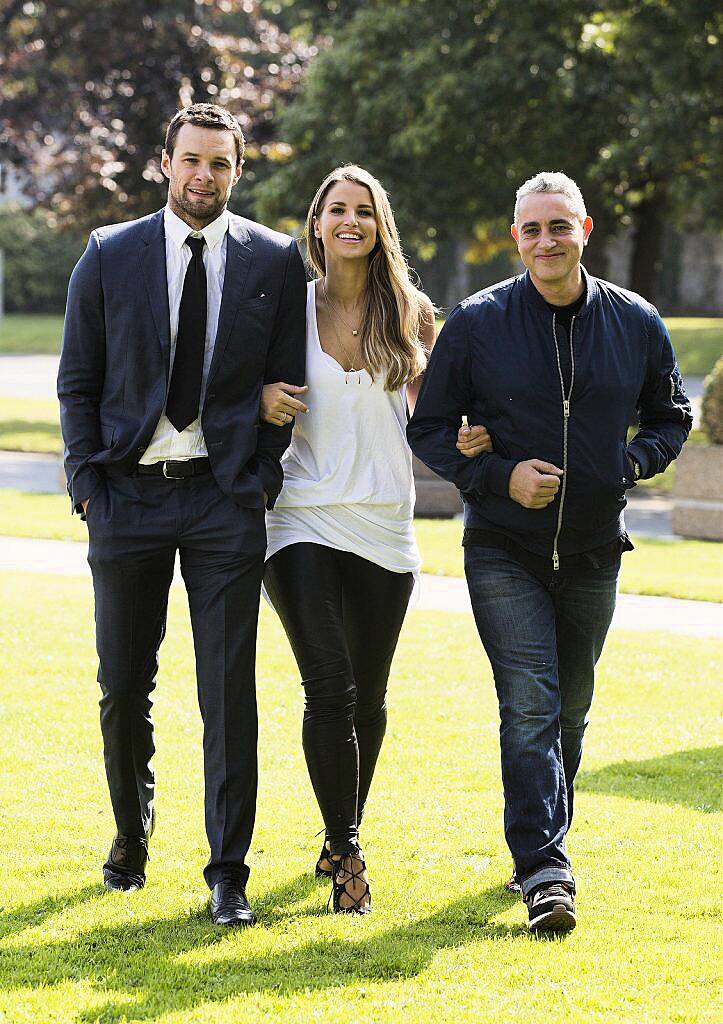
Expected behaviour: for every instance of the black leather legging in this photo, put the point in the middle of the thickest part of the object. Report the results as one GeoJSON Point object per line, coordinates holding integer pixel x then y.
{"type": "Point", "coordinates": [342, 615]}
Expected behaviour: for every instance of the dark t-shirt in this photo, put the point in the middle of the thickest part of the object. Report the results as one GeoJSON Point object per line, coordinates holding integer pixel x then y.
{"type": "Point", "coordinates": [563, 323]}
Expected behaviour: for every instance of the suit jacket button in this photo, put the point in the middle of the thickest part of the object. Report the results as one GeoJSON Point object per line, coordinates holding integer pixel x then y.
{"type": "Point", "coordinates": [140, 450]}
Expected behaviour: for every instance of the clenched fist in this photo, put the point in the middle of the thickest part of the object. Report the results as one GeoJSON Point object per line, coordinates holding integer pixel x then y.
{"type": "Point", "coordinates": [534, 484]}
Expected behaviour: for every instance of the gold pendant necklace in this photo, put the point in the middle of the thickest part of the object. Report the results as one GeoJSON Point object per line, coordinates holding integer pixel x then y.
{"type": "Point", "coordinates": [342, 346]}
{"type": "Point", "coordinates": [337, 311]}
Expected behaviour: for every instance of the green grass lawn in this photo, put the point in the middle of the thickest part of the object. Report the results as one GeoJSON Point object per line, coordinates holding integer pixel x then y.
{"type": "Point", "coordinates": [33, 425]}
{"type": "Point", "coordinates": [678, 568]}
{"type": "Point", "coordinates": [698, 341]}
{"type": "Point", "coordinates": [669, 568]}
{"type": "Point", "coordinates": [30, 425]}
{"type": "Point", "coordinates": [30, 333]}
{"type": "Point", "coordinates": [445, 942]}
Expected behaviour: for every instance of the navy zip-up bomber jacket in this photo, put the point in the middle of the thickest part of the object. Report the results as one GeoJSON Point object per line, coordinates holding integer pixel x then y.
{"type": "Point", "coordinates": [496, 361]}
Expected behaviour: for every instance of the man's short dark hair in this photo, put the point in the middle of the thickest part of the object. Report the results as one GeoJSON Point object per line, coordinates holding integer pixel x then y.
{"type": "Point", "coordinates": [206, 115]}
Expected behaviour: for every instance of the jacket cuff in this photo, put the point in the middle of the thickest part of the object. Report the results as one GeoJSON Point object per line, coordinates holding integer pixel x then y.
{"type": "Point", "coordinates": [638, 452]}
{"type": "Point", "coordinates": [271, 476]}
{"type": "Point", "coordinates": [496, 475]}
{"type": "Point", "coordinates": [83, 485]}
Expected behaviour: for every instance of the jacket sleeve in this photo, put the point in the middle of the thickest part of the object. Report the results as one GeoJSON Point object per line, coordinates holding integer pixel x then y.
{"type": "Point", "coordinates": [445, 397]}
{"type": "Point", "coordinates": [663, 406]}
{"type": "Point", "coordinates": [81, 374]}
{"type": "Point", "coordinates": [285, 361]}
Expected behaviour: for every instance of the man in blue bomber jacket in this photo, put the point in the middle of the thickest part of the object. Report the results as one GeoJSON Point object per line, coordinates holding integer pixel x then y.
{"type": "Point", "coordinates": [555, 364]}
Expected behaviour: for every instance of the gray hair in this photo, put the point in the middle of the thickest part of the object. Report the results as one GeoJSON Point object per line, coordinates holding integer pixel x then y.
{"type": "Point", "coordinates": [553, 181]}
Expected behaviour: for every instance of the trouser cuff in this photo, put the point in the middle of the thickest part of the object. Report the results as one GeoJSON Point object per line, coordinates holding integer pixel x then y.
{"type": "Point", "coordinates": [546, 874]}
{"type": "Point", "coordinates": [238, 874]}
{"type": "Point", "coordinates": [345, 847]}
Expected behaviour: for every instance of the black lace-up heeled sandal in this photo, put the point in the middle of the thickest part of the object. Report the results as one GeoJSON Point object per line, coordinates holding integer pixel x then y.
{"type": "Point", "coordinates": [344, 881]}
{"type": "Point", "coordinates": [325, 856]}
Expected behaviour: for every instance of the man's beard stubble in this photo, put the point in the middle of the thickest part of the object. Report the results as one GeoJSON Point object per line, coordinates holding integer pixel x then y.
{"type": "Point", "coordinates": [198, 210]}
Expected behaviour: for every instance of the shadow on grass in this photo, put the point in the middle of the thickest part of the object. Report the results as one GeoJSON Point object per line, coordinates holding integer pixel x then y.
{"type": "Point", "coordinates": [30, 915]}
{"type": "Point", "coordinates": [690, 778]}
{"type": "Point", "coordinates": [50, 427]}
{"type": "Point", "coordinates": [152, 964]}
{"type": "Point", "coordinates": [30, 435]}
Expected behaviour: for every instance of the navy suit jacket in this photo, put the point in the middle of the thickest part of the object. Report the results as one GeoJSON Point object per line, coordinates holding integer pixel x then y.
{"type": "Point", "coordinates": [114, 365]}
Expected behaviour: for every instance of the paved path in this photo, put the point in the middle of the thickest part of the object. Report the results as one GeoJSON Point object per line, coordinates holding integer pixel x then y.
{"type": "Point", "coordinates": [26, 471]}
{"type": "Point", "coordinates": [647, 515]}
{"type": "Point", "coordinates": [28, 376]}
{"type": "Point", "coordinates": [438, 593]}
{"type": "Point", "coordinates": [34, 377]}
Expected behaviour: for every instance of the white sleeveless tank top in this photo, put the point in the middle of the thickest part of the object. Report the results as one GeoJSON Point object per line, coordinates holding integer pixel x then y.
{"type": "Point", "coordinates": [348, 480]}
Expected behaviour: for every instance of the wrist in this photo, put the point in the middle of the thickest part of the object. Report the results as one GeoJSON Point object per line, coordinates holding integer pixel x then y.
{"type": "Point", "coordinates": [635, 468]}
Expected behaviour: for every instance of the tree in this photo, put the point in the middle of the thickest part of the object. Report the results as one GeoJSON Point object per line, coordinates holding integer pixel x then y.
{"type": "Point", "coordinates": [453, 105]}
{"type": "Point", "coordinates": [450, 105]}
{"type": "Point", "coordinates": [87, 88]}
{"type": "Point", "coordinates": [660, 157]}
{"type": "Point", "coordinates": [38, 262]}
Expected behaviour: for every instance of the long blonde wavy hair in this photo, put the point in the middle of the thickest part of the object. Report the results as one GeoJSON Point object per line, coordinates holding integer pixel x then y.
{"type": "Point", "coordinates": [393, 311]}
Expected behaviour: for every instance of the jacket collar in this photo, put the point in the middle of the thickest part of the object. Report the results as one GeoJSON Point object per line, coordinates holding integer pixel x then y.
{"type": "Point", "coordinates": [178, 231]}
{"type": "Point", "coordinates": [239, 254]}
{"type": "Point", "coordinates": [532, 295]}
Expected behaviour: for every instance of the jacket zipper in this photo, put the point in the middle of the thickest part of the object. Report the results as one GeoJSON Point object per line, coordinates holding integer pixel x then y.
{"type": "Point", "coordinates": [565, 422]}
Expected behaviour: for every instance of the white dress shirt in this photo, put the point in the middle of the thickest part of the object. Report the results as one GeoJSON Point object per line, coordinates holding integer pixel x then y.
{"type": "Point", "coordinates": [167, 442]}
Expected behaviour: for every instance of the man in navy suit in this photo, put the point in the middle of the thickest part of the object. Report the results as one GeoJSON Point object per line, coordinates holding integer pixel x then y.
{"type": "Point", "coordinates": [174, 323]}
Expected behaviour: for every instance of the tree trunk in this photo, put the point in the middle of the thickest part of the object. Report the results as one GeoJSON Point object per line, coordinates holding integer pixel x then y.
{"type": "Point", "coordinates": [646, 256]}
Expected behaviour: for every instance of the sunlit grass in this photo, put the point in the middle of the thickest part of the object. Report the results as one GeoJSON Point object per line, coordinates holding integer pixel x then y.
{"type": "Point", "coordinates": [668, 568]}
{"type": "Point", "coordinates": [30, 425]}
{"type": "Point", "coordinates": [445, 943]}
{"type": "Point", "coordinates": [30, 333]}
{"type": "Point", "coordinates": [698, 341]}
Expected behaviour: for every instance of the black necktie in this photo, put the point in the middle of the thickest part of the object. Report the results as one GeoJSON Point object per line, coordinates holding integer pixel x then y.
{"type": "Point", "coordinates": [184, 394]}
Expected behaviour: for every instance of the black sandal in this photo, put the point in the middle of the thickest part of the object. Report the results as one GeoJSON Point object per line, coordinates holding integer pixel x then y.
{"type": "Point", "coordinates": [339, 886]}
{"type": "Point", "coordinates": [319, 871]}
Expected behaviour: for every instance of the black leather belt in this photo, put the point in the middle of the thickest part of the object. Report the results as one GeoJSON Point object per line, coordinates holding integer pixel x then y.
{"type": "Point", "coordinates": [176, 470]}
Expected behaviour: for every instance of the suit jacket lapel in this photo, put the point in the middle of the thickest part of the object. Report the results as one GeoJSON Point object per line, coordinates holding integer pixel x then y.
{"type": "Point", "coordinates": [154, 272]}
{"type": "Point", "coordinates": [239, 255]}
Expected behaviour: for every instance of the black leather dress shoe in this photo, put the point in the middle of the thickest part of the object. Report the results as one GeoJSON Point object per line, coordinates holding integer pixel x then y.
{"type": "Point", "coordinates": [125, 869]}
{"type": "Point", "coordinates": [229, 905]}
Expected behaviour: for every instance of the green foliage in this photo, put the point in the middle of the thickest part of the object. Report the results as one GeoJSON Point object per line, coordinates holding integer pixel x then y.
{"type": "Point", "coordinates": [712, 408]}
{"type": "Point", "coordinates": [38, 260]}
{"type": "Point", "coordinates": [87, 89]}
{"type": "Point", "coordinates": [453, 105]}
{"type": "Point", "coordinates": [445, 942]}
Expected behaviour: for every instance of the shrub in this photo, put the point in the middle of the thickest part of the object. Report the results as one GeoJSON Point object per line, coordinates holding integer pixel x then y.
{"type": "Point", "coordinates": [38, 261]}
{"type": "Point", "coordinates": [712, 409]}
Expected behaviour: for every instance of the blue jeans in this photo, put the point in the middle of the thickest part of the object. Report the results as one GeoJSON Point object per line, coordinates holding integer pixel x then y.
{"type": "Point", "coordinates": [543, 640]}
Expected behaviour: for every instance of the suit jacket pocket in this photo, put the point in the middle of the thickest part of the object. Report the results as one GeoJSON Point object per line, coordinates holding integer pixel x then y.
{"type": "Point", "coordinates": [257, 302]}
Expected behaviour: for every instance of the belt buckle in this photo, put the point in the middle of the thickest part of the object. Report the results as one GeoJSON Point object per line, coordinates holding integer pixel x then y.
{"type": "Point", "coordinates": [167, 474]}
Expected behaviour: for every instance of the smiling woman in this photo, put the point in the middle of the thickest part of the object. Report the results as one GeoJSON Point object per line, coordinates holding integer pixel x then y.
{"type": "Point", "coordinates": [341, 554]}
